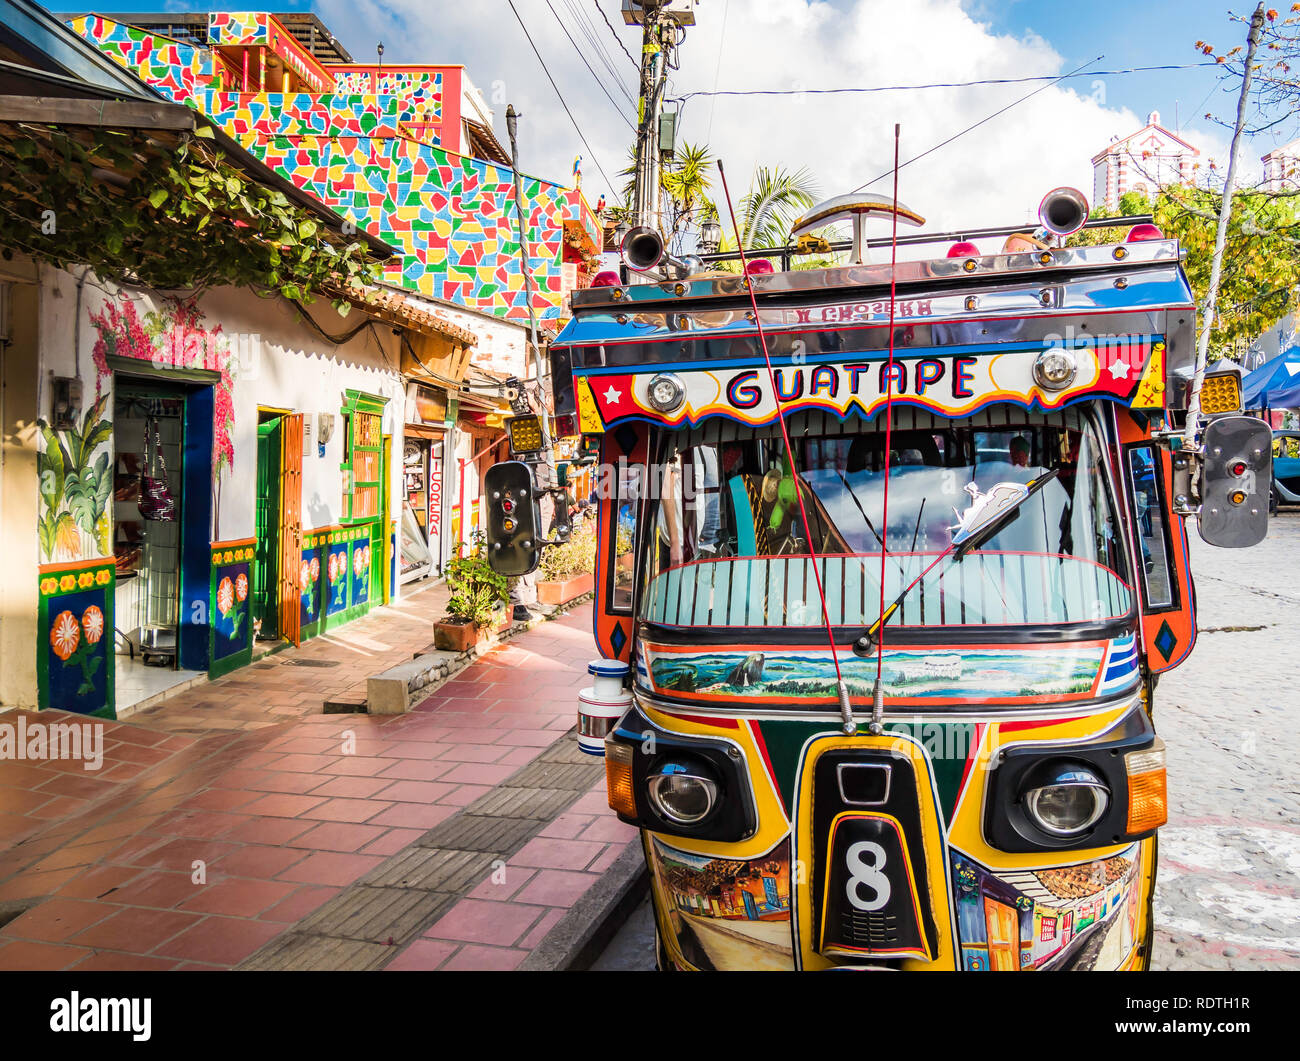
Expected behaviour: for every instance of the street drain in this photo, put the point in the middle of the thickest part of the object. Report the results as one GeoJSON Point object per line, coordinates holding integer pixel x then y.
{"type": "Point", "coordinates": [311, 662]}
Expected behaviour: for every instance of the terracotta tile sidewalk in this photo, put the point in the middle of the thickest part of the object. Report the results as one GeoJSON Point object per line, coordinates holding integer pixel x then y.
{"type": "Point", "coordinates": [295, 682]}
{"type": "Point", "coordinates": [194, 851]}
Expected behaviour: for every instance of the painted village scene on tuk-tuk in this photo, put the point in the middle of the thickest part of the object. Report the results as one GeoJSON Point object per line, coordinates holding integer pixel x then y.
{"type": "Point", "coordinates": [843, 518]}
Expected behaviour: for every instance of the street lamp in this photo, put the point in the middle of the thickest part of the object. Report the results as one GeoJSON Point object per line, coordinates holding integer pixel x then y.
{"type": "Point", "coordinates": [379, 77]}
{"type": "Point", "coordinates": [620, 233]}
{"type": "Point", "coordinates": [710, 235]}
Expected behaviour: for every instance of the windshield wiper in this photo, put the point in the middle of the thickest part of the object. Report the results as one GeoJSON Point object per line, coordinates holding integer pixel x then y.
{"type": "Point", "coordinates": [987, 516]}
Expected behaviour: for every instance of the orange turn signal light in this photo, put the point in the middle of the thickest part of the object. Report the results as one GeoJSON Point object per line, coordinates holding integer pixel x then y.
{"type": "Point", "coordinates": [1148, 797]}
{"type": "Point", "coordinates": [618, 778]}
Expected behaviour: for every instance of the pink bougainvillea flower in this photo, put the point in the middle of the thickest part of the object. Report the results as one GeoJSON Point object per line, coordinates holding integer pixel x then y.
{"type": "Point", "coordinates": [65, 635]}
{"type": "Point", "coordinates": [92, 621]}
{"type": "Point", "coordinates": [241, 586]}
{"type": "Point", "coordinates": [225, 596]}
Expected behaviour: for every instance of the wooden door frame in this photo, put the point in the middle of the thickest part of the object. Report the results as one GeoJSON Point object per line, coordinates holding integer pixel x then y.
{"type": "Point", "coordinates": [290, 592]}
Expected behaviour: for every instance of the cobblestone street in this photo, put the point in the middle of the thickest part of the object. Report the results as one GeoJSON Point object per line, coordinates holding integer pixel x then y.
{"type": "Point", "coordinates": [1228, 895]}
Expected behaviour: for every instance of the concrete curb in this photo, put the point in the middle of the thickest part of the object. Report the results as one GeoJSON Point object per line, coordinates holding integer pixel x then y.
{"type": "Point", "coordinates": [398, 689]}
{"type": "Point", "coordinates": [579, 937]}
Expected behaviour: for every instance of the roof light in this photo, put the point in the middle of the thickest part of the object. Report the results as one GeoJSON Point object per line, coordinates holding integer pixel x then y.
{"type": "Point", "coordinates": [1141, 233]}
{"type": "Point", "coordinates": [759, 267]}
{"type": "Point", "coordinates": [608, 278]}
{"type": "Point", "coordinates": [964, 249]}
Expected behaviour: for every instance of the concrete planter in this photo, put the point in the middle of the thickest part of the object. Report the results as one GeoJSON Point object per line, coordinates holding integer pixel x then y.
{"type": "Point", "coordinates": [556, 593]}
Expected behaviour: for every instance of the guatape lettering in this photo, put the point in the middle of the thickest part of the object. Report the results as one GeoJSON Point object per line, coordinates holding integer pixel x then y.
{"type": "Point", "coordinates": [953, 375]}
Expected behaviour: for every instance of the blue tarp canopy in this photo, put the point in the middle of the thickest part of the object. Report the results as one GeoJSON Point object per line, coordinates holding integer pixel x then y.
{"type": "Point", "coordinates": [1275, 384]}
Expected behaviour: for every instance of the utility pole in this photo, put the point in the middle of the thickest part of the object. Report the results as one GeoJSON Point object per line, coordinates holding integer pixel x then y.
{"type": "Point", "coordinates": [1221, 233]}
{"type": "Point", "coordinates": [512, 127]}
{"type": "Point", "coordinates": [658, 38]}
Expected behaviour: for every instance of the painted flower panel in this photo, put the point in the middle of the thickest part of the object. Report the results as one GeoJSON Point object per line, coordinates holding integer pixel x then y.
{"type": "Point", "coordinates": [92, 622]}
{"type": "Point", "coordinates": [241, 586]}
{"type": "Point", "coordinates": [304, 575]}
{"type": "Point", "coordinates": [65, 635]}
{"type": "Point", "coordinates": [334, 567]}
{"type": "Point", "coordinates": [225, 596]}
{"type": "Point", "coordinates": [315, 568]}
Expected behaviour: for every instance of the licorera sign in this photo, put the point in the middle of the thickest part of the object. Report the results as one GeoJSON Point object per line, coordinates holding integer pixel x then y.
{"type": "Point", "coordinates": [952, 381]}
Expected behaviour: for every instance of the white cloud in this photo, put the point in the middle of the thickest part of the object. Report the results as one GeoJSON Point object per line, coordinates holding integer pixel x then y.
{"type": "Point", "coordinates": [995, 174]}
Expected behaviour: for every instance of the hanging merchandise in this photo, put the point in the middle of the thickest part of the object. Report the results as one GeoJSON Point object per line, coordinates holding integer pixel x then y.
{"type": "Point", "coordinates": [156, 502]}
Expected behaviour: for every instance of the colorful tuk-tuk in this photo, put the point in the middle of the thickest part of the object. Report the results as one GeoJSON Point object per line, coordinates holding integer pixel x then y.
{"type": "Point", "coordinates": [894, 557]}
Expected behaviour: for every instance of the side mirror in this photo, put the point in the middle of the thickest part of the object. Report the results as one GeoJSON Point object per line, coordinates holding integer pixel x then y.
{"type": "Point", "coordinates": [512, 518]}
{"type": "Point", "coordinates": [1236, 476]}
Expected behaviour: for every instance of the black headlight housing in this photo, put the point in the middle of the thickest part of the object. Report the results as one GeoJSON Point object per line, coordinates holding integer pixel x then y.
{"type": "Point", "coordinates": [1009, 821]}
{"type": "Point", "coordinates": [731, 815]}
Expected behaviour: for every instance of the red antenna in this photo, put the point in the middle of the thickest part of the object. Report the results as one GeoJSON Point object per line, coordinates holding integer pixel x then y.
{"type": "Point", "coordinates": [878, 691]}
{"type": "Point", "coordinates": [846, 707]}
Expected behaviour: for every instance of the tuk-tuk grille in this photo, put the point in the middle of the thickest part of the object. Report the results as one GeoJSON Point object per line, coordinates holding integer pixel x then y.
{"type": "Point", "coordinates": [870, 930]}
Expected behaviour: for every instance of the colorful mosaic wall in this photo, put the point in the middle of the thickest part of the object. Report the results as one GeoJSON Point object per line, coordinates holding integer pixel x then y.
{"type": "Point", "coordinates": [452, 217]}
{"type": "Point", "coordinates": [74, 657]}
{"type": "Point", "coordinates": [230, 633]}
{"type": "Point", "coordinates": [419, 91]}
{"type": "Point", "coordinates": [179, 71]}
{"type": "Point", "coordinates": [255, 28]}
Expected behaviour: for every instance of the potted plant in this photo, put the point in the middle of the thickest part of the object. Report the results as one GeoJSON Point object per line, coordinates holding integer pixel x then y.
{"type": "Point", "coordinates": [568, 571]}
{"type": "Point", "coordinates": [476, 608]}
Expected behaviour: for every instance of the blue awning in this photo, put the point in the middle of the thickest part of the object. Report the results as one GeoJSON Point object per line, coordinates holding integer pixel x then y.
{"type": "Point", "coordinates": [1275, 384]}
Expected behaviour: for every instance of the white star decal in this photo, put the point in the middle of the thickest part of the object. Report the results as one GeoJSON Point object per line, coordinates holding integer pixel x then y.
{"type": "Point", "coordinates": [1120, 369]}
{"type": "Point", "coordinates": [612, 396]}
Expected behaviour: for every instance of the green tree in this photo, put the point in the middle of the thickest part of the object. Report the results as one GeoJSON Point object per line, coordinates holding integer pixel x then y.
{"type": "Point", "coordinates": [1261, 265]}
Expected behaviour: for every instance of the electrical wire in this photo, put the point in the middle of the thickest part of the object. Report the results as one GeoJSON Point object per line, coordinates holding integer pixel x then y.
{"type": "Point", "coordinates": [717, 69]}
{"type": "Point", "coordinates": [592, 35]}
{"type": "Point", "coordinates": [635, 65]}
{"type": "Point", "coordinates": [942, 84]}
{"type": "Point", "coordinates": [593, 73]}
{"type": "Point", "coordinates": [976, 125]}
{"type": "Point", "coordinates": [563, 102]}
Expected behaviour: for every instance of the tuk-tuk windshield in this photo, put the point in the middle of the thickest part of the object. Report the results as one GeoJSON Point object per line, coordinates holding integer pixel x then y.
{"type": "Point", "coordinates": [728, 545]}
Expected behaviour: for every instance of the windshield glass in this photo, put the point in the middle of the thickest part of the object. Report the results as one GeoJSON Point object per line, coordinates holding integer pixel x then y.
{"type": "Point", "coordinates": [728, 546]}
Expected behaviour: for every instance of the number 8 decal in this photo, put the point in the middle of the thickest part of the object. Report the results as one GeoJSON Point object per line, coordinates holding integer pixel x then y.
{"type": "Point", "coordinates": [866, 873]}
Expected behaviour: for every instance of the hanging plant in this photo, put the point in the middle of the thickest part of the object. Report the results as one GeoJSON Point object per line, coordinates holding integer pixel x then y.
{"type": "Point", "coordinates": [169, 215]}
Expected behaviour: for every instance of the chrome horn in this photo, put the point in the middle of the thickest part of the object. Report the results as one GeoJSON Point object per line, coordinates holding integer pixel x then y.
{"type": "Point", "coordinates": [1063, 211]}
{"type": "Point", "coordinates": [642, 249]}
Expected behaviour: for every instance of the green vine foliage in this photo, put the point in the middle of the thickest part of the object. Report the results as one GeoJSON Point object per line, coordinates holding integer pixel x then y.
{"type": "Point", "coordinates": [169, 215]}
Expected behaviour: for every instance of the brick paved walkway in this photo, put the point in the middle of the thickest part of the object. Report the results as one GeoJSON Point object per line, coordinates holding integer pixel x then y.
{"type": "Point", "coordinates": [198, 849]}
{"type": "Point", "coordinates": [295, 682]}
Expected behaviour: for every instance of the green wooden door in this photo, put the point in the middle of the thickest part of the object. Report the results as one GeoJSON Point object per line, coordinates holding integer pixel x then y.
{"type": "Point", "coordinates": [266, 572]}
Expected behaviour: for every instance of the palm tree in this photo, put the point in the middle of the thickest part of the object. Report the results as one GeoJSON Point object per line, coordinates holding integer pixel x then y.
{"type": "Point", "coordinates": [687, 182]}
{"type": "Point", "coordinates": [775, 199]}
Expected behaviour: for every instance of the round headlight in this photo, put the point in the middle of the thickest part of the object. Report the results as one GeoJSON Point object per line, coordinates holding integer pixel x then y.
{"type": "Point", "coordinates": [1055, 369]}
{"type": "Point", "coordinates": [666, 392]}
{"type": "Point", "coordinates": [682, 793]}
{"type": "Point", "coordinates": [1067, 799]}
